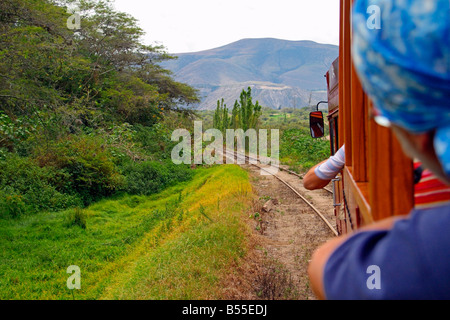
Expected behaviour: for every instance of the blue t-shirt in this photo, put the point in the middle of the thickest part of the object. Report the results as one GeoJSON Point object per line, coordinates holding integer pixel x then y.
{"type": "Point", "coordinates": [410, 261]}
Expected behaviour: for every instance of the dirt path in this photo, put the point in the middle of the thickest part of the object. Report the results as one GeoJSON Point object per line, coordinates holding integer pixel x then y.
{"type": "Point", "coordinates": [286, 232]}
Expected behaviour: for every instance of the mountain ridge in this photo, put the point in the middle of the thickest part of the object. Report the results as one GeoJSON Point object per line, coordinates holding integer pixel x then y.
{"type": "Point", "coordinates": [264, 64]}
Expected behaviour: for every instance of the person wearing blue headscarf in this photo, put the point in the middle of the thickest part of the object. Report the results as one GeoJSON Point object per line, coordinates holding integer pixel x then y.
{"type": "Point", "coordinates": [404, 66]}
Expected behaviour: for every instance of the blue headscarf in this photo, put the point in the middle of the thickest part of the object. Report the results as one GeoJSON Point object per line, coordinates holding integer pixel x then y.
{"type": "Point", "coordinates": [403, 61]}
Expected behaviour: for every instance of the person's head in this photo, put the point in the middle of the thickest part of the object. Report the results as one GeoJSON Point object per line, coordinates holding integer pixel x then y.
{"type": "Point", "coordinates": [403, 62]}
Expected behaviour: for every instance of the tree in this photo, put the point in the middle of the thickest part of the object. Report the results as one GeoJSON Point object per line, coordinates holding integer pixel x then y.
{"type": "Point", "coordinates": [235, 116]}
{"type": "Point", "coordinates": [244, 115]}
{"type": "Point", "coordinates": [225, 117]}
{"type": "Point", "coordinates": [249, 112]}
{"type": "Point", "coordinates": [71, 100]}
{"type": "Point", "coordinates": [221, 119]}
{"type": "Point", "coordinates": [95, 75]}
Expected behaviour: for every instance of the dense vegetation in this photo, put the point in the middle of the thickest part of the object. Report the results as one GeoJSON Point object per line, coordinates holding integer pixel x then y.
{"type": "Point", "coordinates": [80, 106]}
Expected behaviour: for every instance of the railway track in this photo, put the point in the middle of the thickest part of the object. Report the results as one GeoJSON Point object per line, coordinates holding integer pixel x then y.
{"type": "Point", "coordinates": [232, 154]}
{"type": "Point", "coordinates": [301, 176]}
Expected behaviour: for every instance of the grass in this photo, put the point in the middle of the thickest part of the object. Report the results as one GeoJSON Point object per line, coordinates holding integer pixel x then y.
{"type": "Point", "coordinates": [132, 247]}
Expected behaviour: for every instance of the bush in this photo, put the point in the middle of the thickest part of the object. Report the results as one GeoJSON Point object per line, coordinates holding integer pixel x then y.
{"type": "Point", "coordinates": [151, 177]}
{"type": "Point", "coordinates": [89, 167]}
{"type": "Point", "coordinates": [27, 188]}
{"type": "Point", "coordinates": [155, 140]}
{"type": "Point", "coordinates": [11, 204]}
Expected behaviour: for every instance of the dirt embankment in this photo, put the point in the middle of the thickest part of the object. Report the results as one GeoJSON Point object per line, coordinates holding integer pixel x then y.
{"type": "Point", "coordinates": [285, 234]}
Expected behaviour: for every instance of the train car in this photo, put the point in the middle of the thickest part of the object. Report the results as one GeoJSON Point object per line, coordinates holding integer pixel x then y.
{"type": "Point", "coordinates": [378, 179]}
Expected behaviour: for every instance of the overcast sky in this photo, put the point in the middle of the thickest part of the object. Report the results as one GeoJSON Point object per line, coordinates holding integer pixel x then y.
{"type": "Point", "coordinates": [194, 25]}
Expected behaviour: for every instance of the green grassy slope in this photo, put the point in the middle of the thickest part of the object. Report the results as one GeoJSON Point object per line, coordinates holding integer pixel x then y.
{"type": "Point", "coordinates": [172, 245]}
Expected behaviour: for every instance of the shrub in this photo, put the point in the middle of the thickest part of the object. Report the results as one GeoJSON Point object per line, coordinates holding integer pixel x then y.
{"type": "Point", "coordinates": [27, 188]}
{"type": "Point", "coordinates": [150, 177]}
{"type": "Point", "coordinates": [91, 171]}
{"type": "Point", "coordinates": [14, 132]}
{"type": "Point", "coordinates": [11, 204]}
{"type": "Point", "coordinates": [155, 140]}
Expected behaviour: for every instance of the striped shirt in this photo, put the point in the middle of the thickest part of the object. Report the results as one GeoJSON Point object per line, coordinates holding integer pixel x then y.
{"type": "Point", "coordinates": [329, 169]}
{"type": "Point", "coordinates": [430, 191]}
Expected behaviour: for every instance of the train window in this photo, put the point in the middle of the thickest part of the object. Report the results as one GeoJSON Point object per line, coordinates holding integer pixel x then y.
{"type": "Point", "coordinates": [332, 137]}
{"type": "Point", "coordinates": [336, 134]}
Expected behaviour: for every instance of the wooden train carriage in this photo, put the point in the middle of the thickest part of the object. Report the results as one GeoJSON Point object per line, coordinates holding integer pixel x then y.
{"type": "Point", "coordinates": [377, 181]}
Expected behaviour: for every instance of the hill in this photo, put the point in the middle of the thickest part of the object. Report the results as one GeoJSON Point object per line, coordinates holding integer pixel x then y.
{"type": "Point", "coordinates": [281, 73]}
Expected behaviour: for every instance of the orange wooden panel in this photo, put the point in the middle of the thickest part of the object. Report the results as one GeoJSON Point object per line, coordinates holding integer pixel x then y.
{"type": "Point", "coordinates": [341, 75]}
{"type": "Point", "coordinates": [360, 192]}
{"type": "Point", "coordinates": [345, 108]}
{"type": "Point", "coordinates": [403, 180]}
{"type": "Point", "coordinates": [380, 171]}
{"type": "Point", "coordinates": [391, 175]}
{"type": "Point", "coordinates": [367, 105]}
{"type": "Point", "coordinates": [358, 127]}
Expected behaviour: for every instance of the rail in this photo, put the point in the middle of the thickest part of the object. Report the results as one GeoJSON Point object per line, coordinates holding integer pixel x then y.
{"type": "Point", "coordinates": [321, 216]}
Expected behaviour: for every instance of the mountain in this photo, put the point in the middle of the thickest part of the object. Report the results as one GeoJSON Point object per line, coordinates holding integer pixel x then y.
{"type": "Point", "coordinates": [281, 73]}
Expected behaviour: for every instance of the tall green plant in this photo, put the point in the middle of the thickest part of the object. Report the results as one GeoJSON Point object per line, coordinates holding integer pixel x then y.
{"type": "Point", "coordinates": [221, 119]}
{"type": "Point", "coordinates": [249, 111]}
{"type": "Point", "coordinates": [244, 115]}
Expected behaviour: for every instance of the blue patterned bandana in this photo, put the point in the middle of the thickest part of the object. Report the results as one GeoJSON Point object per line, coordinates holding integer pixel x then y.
{"type": "Point", "coordinates": [401, 51]}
